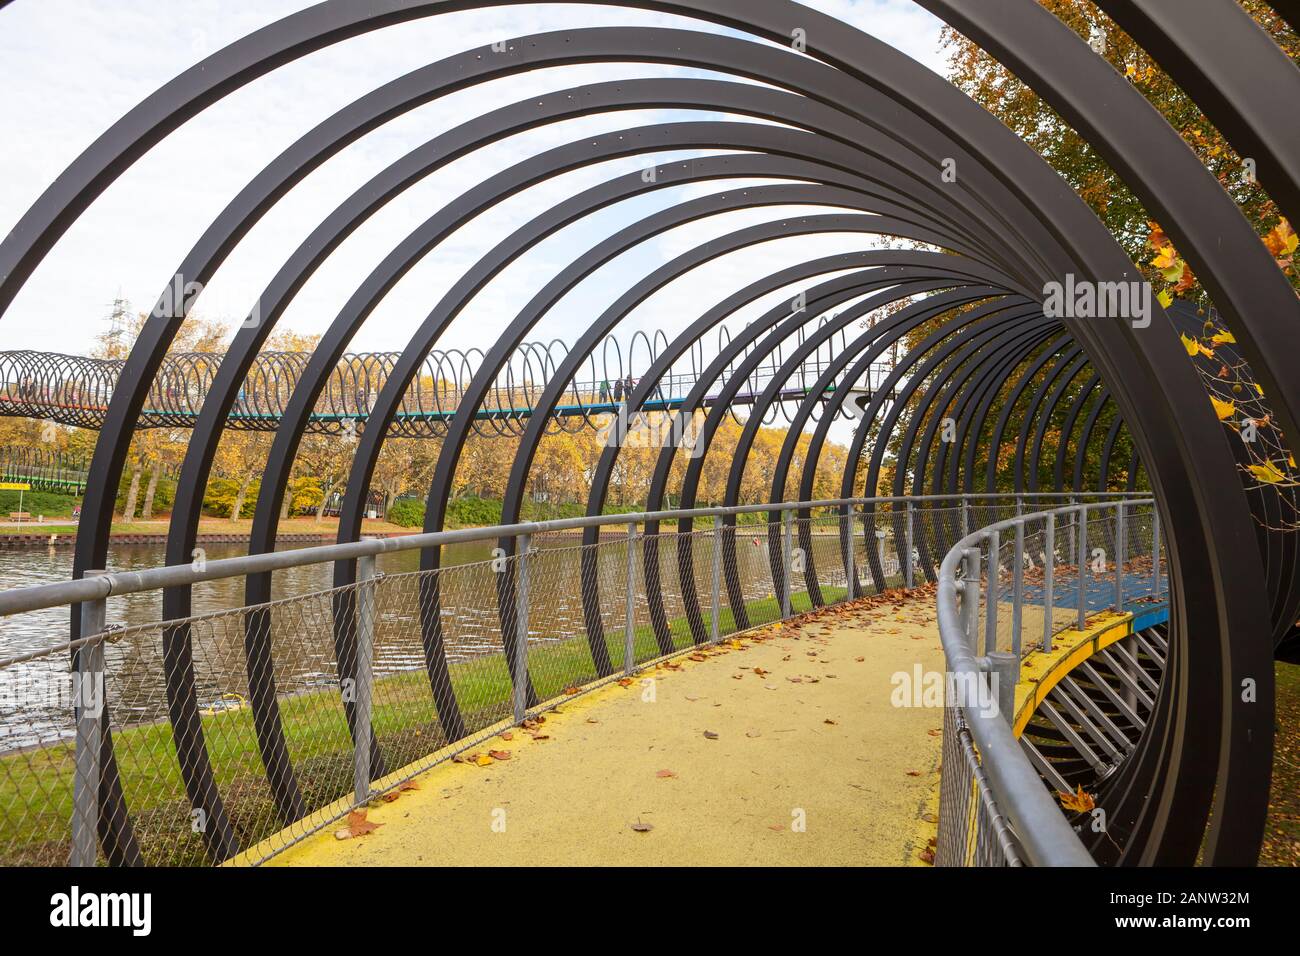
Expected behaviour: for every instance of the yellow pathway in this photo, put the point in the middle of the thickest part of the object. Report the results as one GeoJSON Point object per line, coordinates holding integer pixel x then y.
{"type": "Point", "coordinates": [781, 748]}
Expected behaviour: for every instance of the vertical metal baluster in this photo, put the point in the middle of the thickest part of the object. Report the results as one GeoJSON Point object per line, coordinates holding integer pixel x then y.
{"type": "Point", "coordinates": [1017, 588]}
{"type": "Point", "coordinates": [965, 515]}
{"type": "Point", "coordinates": [521, 630]}
{"type": "Point", "coordinates": [907, 574]}
{"type": "Point", "coordinates": [715, 614]}
{"type": "Point", "coordinates": [1120, 532]}
{"type": "Point", "coordinates": [851, 585]}
{"type": "Point", "coordinates": [1155, 551]}
{"type": "Point", "coordinates": [1049, 582]}
{"type": "Point", "coordinates": [970, 596]}
{"type": "Point", "coordinates": [1074, 558]}
{"type": "Point", "coordinates": [629, 625]}
{"type": "Point", "coordinates": [1006, 669]}
{"type": "Point", "coordinates": [787, 545]}
{"type": "Point", "coordinates": [88, 712]}
{"type": "Point", "coordinates": [991, 595]}
{"type": "Point", "coordinates": [362, 683]}
{"type": "Point", "coordinates": [1081, 565]}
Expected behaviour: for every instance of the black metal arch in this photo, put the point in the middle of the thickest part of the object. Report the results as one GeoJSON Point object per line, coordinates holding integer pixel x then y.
{"type": "Point", "coordinates": [861, 102]}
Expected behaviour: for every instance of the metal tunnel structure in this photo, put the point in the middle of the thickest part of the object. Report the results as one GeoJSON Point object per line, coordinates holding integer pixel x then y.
{"type": "Point", "coordinates": [984, 372]}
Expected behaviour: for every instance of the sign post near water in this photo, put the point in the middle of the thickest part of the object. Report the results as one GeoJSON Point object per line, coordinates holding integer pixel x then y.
{"type": "Point", "coordinates": [18, 486]}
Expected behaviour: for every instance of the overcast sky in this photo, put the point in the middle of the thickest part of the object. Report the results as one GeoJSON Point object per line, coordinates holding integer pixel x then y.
{"type": "Point", "coordinates": [70, 68]}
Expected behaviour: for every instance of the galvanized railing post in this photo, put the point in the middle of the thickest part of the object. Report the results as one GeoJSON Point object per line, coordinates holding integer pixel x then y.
{"type": "Point", "coordinates": [88, 711]}
{"type": "Point", "coordinates": [629, 620]}
{"type": "Point", "coordinates": [1049, 582]}
{"type": "Point", "coordinates": [521, 630]}
{"type": "Point", "coordinates": [787, 562]}
{"type": "Point", "coordinates": [850, 586]}
{"type": "Point", "coordinates": [907, 568]}
{"type": "Point", "coordinates": [1120, 533]}
{"type": "Point", "coordinates": [362, 684]}
{"type": "Point", "coordinates": [991, 594]}
{"type": "Point", "coordinates": [1082, 565]}
{"type": "Point", "coordinates": [1155, 551]}
{"type": "Point", "coordinates": [1004, 672]}
{"type": "Point", "coordinates": [1074, 558]}
{"type": "Point", "coordinates": [1018, 588]}
{"type": "Point", "coordinates": [715, 613]}
{"type": "Point", "coordinates": [970, 595]}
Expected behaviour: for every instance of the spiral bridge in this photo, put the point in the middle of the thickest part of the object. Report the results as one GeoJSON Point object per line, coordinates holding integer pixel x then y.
{"type": "Point", "coordinates": [76, 390]}
{"type": "Point", "coordinates": [993, 389]}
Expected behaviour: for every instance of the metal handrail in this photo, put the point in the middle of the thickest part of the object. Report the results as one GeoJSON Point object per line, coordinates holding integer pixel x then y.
{"type": "Point", "coordinates": [1041, 829]}
{"type": "Point", "coordinates": [38, 597]}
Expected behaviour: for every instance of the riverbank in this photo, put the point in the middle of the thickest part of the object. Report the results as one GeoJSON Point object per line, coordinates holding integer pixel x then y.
{"type": "Point", "coordinates": [211, 531]}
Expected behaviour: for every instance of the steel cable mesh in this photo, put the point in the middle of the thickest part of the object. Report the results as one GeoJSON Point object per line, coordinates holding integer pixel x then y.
{"type": "Point", "coordinates": [972, 831]}
{"type": "Point", "coordinates": [213, 725]}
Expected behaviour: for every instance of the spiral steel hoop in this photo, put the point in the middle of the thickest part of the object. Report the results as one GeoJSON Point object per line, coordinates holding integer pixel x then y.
{"type": "Point", "coordinates": [76, 390]}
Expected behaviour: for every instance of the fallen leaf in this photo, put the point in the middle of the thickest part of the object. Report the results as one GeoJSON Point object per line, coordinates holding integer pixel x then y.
{"type": "Point", "coordinates": [1079, 802]}
{"type": "Point", "coordinates": [570, 691]}
{"type": "Point", "coordinates": [640, 827]}
{"type": "Point", "coordinates": [828, 721]}
{"type": "Point", "coordinates": [499, 754]}
{"type": "Point", "coordinates": [358, 825]}
{"type": "Point", "coordinates": [710, 735]}
{"type": "Point", "coordinates": [665, 774]}
{"type": "Point", "coordinates": [483, 760]}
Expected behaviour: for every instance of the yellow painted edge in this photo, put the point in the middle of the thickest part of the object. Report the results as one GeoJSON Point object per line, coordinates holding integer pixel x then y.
{"type": "Point", "coordinates": [925, 830]}
{"type": "Point", "coordinates": [1040, 672]}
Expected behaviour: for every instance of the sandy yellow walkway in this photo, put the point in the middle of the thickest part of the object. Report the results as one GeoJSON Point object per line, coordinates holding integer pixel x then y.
{"type": "Point", "coordinates": [781, 749]}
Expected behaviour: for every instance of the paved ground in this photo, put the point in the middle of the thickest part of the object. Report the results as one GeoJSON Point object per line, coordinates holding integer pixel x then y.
{"type": "Point", "coordinates": [781, 749]}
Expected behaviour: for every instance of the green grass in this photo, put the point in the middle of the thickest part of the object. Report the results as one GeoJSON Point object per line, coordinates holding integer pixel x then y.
{"type": "Point", "coordinates": [36, 785]}
{"type": "Point", "coordinates": [1282, 830]}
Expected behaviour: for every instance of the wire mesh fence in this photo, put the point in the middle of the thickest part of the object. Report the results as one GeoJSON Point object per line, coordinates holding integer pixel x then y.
{"type": "Point", "coordinates": [1023, 579]}
{"type": "Point", "coordinates": [232, 734]}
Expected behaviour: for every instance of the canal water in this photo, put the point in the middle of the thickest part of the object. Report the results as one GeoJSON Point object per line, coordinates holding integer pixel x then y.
{"type": "Point", "coordinates": [301, 628]}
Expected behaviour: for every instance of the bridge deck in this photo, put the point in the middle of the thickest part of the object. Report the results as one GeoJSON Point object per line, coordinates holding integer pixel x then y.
{"type": "Point", "coordinates": [815, 732]}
